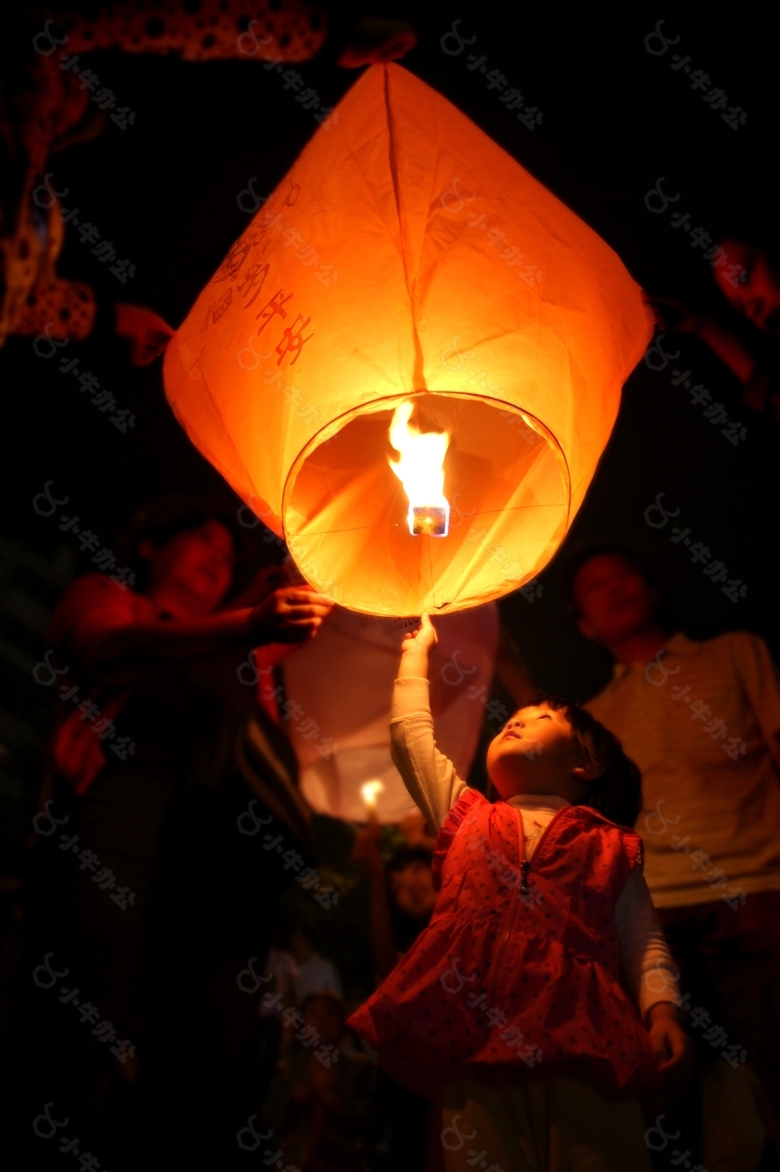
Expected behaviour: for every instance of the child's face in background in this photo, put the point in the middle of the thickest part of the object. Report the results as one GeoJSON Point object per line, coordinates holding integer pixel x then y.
{"type": "Point", "coordinates": [412, 889]}
{"type": "Point", "coordinates": [536, 753]}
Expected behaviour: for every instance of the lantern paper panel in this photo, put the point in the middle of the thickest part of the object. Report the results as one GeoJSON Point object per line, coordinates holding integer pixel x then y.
{"type": "Point", "coordinates": [339, 720]}
{"type": "Point", "coordinates": [406, 256]}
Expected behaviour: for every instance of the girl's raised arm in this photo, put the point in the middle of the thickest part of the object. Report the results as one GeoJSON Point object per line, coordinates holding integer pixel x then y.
{"type": "Point", "coordinates": [429, 776]}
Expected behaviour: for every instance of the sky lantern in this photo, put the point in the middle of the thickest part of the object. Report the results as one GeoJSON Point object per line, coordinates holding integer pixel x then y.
{"type": "Point", "coordinates": [411, 361]}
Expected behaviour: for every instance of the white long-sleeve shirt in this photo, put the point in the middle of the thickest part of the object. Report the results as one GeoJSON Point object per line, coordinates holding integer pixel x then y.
{"type": "Point", "coordinates": [648, 968]}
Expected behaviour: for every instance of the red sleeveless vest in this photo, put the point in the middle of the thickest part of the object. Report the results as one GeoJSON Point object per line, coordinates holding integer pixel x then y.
{"type": "Point", "coordinates": [519, 964]}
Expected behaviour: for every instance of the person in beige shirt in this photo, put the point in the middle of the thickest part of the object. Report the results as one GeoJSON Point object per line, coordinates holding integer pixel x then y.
{"type": "Point", "coordinates": [702, 721]}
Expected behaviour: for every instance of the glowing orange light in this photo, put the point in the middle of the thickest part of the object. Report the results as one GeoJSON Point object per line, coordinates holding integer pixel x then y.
{"type": "Point", "coordinates": [421, 472]}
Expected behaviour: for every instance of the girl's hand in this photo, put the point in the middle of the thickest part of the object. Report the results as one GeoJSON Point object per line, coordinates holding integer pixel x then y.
{"type": "Point", "coordinates": [670, 1044]}
{"type": "Point", "coordinates": [423, 640]}
{"type": "Point", "coordinates": [293, 614]}
{"type": "Point", "coordinates": [415, 650]}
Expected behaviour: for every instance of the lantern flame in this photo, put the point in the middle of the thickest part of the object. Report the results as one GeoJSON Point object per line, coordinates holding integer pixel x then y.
{"type": "Point", "coordinates": [421, 472]}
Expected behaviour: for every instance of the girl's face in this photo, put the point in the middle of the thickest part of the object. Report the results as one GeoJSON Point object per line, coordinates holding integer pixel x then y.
{"type": "Point", "coordinates": [412, 889]}
{"type": "Point", "coordinates": [536, 753]}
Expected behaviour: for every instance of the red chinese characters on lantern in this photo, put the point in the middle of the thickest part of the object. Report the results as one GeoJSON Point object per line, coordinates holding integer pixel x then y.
{"type": "Point", "coordinates": [253, 280]}
{"type": "Point", "coordinates": [292, 340]}
{"type": "Point", "coordinates": [274, 306]}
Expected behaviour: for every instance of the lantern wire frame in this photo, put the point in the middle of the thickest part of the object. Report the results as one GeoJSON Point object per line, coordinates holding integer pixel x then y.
{"type": "Point", "coordinates": [344, 512]}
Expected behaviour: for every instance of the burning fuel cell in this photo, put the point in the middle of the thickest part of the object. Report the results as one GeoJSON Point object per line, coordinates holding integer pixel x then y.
{"type": "Point", "coordinates": [421, 472]}
{"type": "Point", "coordinates": [432, 520]}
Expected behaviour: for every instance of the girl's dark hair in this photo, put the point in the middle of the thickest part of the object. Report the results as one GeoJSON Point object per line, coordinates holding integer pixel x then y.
{"type": "Point", "coordinates": [162, 520]}
{"type": "Point", "coordinates": [616, 788]}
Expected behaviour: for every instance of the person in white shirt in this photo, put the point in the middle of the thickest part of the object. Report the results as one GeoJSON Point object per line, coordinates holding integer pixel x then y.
{"type": "Point", "coordinates": [702, 721]}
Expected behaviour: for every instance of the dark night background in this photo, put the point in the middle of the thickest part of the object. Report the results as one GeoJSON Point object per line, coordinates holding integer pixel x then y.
{"type": "Point", "coordinates": [165, 190]}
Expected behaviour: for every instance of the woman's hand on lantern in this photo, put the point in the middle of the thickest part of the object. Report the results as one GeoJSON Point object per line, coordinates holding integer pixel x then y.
{"type": "Point", "coordinates": [670, 1044]}
{"type": "Point", "coordinates": [293, 614]}
{"type": "Point", "coordinates": [265, 581]}
{"type": "Point", "coordinates": [375, 39]}
{"type": "Point", "coordinates": [149, 334]}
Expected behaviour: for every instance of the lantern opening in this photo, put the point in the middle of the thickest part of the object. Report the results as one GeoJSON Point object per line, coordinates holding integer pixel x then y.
{"type": "Point", "coordinates": [346, 514]}
{"type": "Point", "coordinates": [421, 472]}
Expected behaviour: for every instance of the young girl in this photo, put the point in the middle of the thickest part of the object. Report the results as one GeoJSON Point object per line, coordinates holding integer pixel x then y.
{"type": "Point", "coordinates": [510, 1005]}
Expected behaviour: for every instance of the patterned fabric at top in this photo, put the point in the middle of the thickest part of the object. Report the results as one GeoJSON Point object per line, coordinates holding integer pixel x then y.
{"type": "Point", "coordinates": [50, 101]}
{"type": "Point", "coordinates": [204, 30]}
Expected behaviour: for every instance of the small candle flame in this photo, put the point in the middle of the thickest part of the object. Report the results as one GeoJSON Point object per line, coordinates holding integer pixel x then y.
{"type": "Point", "coordinates": [370, 792]}
{"type": "Point", "coordinates": [421, 472]}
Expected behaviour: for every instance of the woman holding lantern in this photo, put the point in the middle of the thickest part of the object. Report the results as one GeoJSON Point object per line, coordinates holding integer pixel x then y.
{"type": "Point", "coordinates": [159, 670]}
